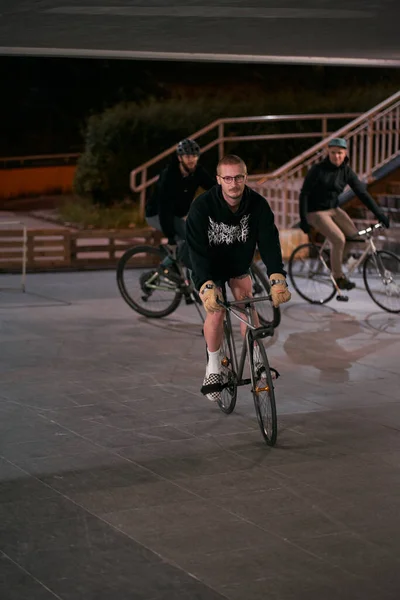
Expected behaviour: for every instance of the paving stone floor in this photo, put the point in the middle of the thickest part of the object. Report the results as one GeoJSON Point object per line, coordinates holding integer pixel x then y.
{"type": "Point", "coordinates": [119, 480]}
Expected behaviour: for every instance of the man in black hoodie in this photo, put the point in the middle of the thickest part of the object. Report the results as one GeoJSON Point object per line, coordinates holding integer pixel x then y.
{"type": "Point", "coordinates": [319, 204]}
{"type": "Point", "coordinates": [223, 228]}
{"type": "Point", "coordinates": [175, 190]}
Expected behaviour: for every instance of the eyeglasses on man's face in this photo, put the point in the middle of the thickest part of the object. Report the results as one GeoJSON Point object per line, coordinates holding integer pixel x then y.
{"type": "Point", "coordinates": [236, 178]}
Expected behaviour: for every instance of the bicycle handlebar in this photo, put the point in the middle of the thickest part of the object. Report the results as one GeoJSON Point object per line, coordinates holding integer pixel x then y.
{"type": "Point", "coordinates": [370, 229]}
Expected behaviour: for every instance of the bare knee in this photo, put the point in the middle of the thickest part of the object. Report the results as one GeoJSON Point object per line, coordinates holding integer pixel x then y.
{"type": "Point", "coordinates": [241, 287]}
{"type": "Point", "coordinates": [338, 241]}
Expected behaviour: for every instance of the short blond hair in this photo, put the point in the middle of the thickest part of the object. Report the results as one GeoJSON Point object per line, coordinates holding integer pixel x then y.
{"type": "Point", "coordinates": [231, 159]}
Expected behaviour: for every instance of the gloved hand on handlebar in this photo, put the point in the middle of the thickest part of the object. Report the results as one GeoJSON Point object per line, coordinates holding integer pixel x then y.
{"type": "Point", "coordinates": [384, 220]}
{"type": "Point", "coordinates": [279, 289]}
{"type": "Point", "coordinates": [210, 294]}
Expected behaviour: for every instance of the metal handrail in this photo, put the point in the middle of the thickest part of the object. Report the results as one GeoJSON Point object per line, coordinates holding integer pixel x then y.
{"type": "Point", "coordinates": [24, 159]}
{"type": "Point", "coordinates": [373, 140]}
{"type": "Point", "coordinates": [339, 133]}
{"type": "Point", "coordinates": [139, 180]}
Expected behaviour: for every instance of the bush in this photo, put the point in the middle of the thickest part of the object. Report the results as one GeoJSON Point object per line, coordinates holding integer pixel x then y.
{"type": "Point", "coordinates": [128, 134]}
{"type": "Point", "coordinates": [82, 213]}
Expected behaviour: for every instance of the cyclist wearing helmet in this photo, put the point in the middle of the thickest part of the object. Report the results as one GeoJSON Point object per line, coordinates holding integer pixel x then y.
{"type": "Point", "coordinates": [319, 204]}
{"type": "Point", "coordinates": [175, 191]}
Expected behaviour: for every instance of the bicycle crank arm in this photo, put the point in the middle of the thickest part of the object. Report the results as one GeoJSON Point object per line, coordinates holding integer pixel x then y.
{"type": "Point", "coordinates": [214, 387]}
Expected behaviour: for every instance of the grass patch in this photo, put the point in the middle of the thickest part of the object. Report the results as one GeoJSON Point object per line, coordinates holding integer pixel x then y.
{"type": "Point", "coordinates": [82, 213]}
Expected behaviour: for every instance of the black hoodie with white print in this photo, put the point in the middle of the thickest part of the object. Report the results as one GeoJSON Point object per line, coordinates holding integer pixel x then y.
{"type": "Point", "coordinates": [222, 243]}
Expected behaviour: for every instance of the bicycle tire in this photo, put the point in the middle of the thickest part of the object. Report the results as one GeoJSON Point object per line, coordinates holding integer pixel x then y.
{"type": "Point", "coordinates": [306, 272]}
{"type": "Point", "coordinates": [370, 267]}
{"type": "Point", "coordinates": [264, 395]}
{"type": "Point", "coordinates": [228, 375]}
{"type": "Point", "coordinates": [122, 277]}
{"type": "Point", "coordinates": [268, 315]}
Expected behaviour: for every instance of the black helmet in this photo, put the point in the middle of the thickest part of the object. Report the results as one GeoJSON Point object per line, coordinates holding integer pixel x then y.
{"type": "Point", "coordinates": [188, 146]}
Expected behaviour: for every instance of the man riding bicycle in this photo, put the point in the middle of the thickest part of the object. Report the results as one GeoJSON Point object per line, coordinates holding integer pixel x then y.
{"type": "Point", "coordinates": [175, 190]}
{"type": "Point", "coordinates": [223, 229]}
{"type": "Point", "coordinates": [319, 204]}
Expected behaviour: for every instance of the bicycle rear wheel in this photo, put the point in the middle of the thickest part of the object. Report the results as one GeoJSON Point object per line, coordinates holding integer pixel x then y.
{"type": "Point", "coordinates": [144, 285]}
{"type": "Point", "coordinates": [263, 394]}
{"type": "Point", "coordinates": [267, 313]}
{"type": "Point", "coordinates": [228, 375]}
{"type": "Point", "coordinates": [309, 276]}
{"type": "Point", "coordinates": [381, 275]}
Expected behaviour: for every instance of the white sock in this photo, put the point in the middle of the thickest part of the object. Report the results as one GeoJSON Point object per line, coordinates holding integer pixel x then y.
{"type": "Point", "coordinates": [214, 362]}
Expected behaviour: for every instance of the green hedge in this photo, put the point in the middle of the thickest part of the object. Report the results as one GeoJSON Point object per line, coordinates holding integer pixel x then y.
{"type": "Point", "coordinates": [128, 134]}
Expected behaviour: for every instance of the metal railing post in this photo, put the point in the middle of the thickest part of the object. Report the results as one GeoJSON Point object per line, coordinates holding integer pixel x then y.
{"type": "Point", "coordinates": [221, 133]}
{"type": "Point", "coordinates": [143, 181]}
{"type": "Point", "coordinates": [284, 205]}
{"type": "Point", "coordinates": [370, 145]}
{"type": "Point", "coordinates": [24, 252]}
{"type": "Point", "coordinates": [324, 127]}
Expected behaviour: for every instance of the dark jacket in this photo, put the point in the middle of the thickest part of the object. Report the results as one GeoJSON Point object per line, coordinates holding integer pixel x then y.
{"type": "Point", "coordinates": [325, 182]}
{"type": "Point", "coordinates": [174, 194]}
{"type": "Point", "coordinates": [222, 243]}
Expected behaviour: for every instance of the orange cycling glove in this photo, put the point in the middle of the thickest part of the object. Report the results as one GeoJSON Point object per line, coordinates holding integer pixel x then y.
{"type": "Point", "coordinates": [279, 289]}
{"type": "Point", "coordinates": [209, 294]}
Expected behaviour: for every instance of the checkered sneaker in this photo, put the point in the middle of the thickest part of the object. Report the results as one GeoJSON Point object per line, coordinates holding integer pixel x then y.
{"type": "Point", "coordinates": [212, 387]}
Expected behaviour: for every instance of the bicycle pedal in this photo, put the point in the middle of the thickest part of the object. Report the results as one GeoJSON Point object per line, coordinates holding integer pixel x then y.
{"type": "Point", "coordinates": [265, 388]}
{"type": "Point", "coordinates": [342, 298]}
{"type": "Point", "coordinates": [189, 300]}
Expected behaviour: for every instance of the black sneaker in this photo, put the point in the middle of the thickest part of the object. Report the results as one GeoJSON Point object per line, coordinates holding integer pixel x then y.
{"type": "Point", "coordinates": [345, 284]}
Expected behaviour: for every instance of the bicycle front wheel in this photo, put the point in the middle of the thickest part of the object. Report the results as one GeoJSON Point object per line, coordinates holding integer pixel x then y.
{"type": "Point", "coordinates": [143, 284]}
{"type": "Point", "coordinates": [267, 313]}
{"type": "Point", "coordinates": [263, 393]}
{"type": "Point", "coordinates": [228, 375]}
{"type": "Point", "coordinates": [308, 274]}
{"type": "Point", "coordinates": [382, 279]}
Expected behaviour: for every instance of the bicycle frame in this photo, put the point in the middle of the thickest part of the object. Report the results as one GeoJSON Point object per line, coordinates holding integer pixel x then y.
{"type": "Point", "coordinates": [252, 333]}
{"type": "Point", "coordinates": [369, 249]}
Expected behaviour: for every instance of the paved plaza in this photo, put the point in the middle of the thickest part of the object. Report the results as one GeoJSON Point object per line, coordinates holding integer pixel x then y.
{"type": "Point", "coordinates": [118, 480]}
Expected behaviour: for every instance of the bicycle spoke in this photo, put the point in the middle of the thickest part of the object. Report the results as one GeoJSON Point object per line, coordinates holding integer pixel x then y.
{"type": "Point", "coordinates": [228, 375]}
{"type": "Point", "coordinates": [382, 280]}
{"type": "Point", "coordinates": [310, 275]}
{"type": "Point", "coordinates": [263, 393]}
{"type": "Point", "coordinates": [145, 285]}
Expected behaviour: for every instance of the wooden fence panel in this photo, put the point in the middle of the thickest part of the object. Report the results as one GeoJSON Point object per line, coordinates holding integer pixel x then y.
{"type": "Point", "coordinates": [47, 248]}
{"type": "Point", "coordinates": [62, 248]}
{"type": "Point", "coordinates": [95, 248]}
